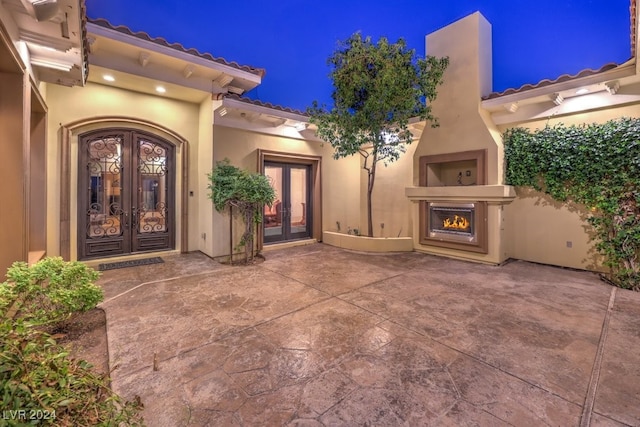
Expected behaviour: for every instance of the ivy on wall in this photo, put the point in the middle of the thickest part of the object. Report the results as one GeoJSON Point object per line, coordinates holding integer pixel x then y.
{"type": "Point", "coordinates": [595, 165]}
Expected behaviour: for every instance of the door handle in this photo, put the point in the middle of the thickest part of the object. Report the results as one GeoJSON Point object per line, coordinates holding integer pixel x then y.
{"type": "Point", "coordinates": [134, 217]}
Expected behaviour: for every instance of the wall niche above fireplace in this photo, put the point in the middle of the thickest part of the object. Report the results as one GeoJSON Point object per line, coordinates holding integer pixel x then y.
{"type": "Point", "coordinates": [454, 169]}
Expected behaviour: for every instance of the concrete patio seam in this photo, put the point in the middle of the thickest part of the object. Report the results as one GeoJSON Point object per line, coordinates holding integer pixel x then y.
{"type": "Point", "coordinates": [587, 409]}
{"type": "Point", "coordinates": [169, 279]}
{"type": "Point", "coordinates": [370, 284]}
{"type": "Point", "coordinates": [296, 280]}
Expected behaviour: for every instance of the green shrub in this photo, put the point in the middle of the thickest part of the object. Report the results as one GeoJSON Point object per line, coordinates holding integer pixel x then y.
{"type": "Point", "coordinates": [39, 383]}
{"type": "Point", "coordinates": [49, 291]}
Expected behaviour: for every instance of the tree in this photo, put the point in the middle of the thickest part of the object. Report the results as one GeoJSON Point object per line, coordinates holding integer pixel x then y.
{"type": "Point", "coordinates": [378, 88]}
{"type": "Point", "coordinates": [248, 192]}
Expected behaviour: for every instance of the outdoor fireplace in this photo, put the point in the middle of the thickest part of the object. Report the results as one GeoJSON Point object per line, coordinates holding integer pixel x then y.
{"type": "Point", "coordinates": [453, 216]}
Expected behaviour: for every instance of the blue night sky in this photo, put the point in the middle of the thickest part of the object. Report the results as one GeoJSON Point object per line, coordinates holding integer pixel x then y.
{"type": "Point", "coordinates": [292, 39]}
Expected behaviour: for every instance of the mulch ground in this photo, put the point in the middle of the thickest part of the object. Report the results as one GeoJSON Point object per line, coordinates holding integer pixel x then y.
{"type": "Point", "coordinates": [85, 335]}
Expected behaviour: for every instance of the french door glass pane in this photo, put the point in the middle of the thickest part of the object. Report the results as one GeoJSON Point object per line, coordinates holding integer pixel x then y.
{"type": "Point", "coordinates": [298, 200]}
{"type": "Point", "coordinates": [152, 188]}
{"type": "Point", "coordinates": [273, 215]}
{"type": "Point", "coordinates": [105, 206]}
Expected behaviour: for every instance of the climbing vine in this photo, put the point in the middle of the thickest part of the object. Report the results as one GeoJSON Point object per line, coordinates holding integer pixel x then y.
{"type": "Point", "coordinates": [595, 165]}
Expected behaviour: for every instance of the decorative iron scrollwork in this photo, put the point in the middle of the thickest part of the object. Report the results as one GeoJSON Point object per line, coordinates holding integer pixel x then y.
{"type": "Point", "coordinates": [104, 210]}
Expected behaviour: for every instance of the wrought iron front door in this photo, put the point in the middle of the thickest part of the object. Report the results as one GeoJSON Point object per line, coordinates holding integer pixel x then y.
{"type": "Point", "coordinates": [126, 194]}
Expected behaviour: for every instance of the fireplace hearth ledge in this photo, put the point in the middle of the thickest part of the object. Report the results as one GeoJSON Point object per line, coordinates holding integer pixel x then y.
{"type": "Point", "coordinates": [480, 193]}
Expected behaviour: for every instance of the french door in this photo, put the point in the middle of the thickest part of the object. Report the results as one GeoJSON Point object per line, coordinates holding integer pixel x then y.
{"type": "Point", "coordinates": [289, 218]}
{"type": "Point", "coordinates": [126, 193]}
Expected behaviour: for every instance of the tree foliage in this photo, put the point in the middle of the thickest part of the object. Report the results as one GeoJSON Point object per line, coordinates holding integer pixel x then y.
{"type": "Point", "coordinates": [595, 165]}
{"type": "Point", "coordinates": [378, 88]}
{"type": "Point", "coordinates": [248, 192]}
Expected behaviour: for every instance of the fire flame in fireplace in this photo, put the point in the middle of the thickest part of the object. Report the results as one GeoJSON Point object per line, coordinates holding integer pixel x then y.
{"type": "Point", "coordinates": [458, 223]}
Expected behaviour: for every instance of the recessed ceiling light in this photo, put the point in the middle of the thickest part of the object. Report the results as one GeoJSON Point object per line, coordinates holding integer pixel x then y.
{"type": "Point", "coordinates": [160, 89]}
{"type": "Point", "coordinates": [582, 91]}
{"type": "Point", "coordinates": [109, 78]}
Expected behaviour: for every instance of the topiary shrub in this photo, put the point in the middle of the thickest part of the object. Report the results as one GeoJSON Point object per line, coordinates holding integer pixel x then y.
{"type": "Point", "coordinates": [597, 166]}
{"type": "Point", "coordinates": [247, 192]}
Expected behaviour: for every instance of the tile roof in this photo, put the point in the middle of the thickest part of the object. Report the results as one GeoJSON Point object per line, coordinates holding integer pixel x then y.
{"type": "Point", "coordinates": [263, 104]}
{"type": "Point", "coordinates": [177, 46]}
{"type": "Point", "coordinates": [85, 42]}
{"type": "Point", "coordinates": [583, 73]}
{"type": "Point", "coordinates": [634, 26]}
{"type": "Point", "coordinates": [547, 82]}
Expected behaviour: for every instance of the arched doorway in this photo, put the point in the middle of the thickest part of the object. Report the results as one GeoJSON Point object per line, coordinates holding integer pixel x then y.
{"type": "Point", "coordinates": [126, 193]}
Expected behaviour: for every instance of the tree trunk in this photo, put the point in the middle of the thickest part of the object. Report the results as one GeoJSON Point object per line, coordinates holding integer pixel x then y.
{"type": "Point", "coordinates": [371, 175]}
{"type": "Point", "coordinates": [248, 236]}
{"type": "Point", "coordinates": [230, 235]}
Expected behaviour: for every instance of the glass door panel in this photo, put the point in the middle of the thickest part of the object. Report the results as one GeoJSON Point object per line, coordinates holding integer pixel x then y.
{"type": "Point", "coordinates": [288, 218]}
{"type": "Point", "coordinates": [151, 205]}
{"type": "Point", "coordinates": [272, 219]}
{"type": "Point", "coordinates": [104, 212]}
{"type": "Point", "coordinates": [154, 198]}
{"type": "Point", "coordinates": [299, 201]}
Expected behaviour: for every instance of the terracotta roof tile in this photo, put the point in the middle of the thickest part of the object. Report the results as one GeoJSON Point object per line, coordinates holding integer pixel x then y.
{"type": "Point", "coordinates": [177, 46]}
{"type": "Point", "coordinates": [264, 104]}
{"type": "Point", "coordinates": [547, 82]}
{"type": "Point", "coordinates": [85, 42]}
{"type": "Point", "coordinates": [634, 24]}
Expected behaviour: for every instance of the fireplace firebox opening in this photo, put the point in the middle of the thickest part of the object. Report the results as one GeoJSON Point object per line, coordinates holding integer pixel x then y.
{"type": "Point", "coordinates": [453, 225]}
{"type": "Point", "coordinates": [453, 222]}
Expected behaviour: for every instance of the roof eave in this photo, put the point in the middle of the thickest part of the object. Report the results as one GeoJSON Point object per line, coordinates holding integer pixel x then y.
{"type": "Point", "coordinates": [627, 69]}
{"type": "Point", "coordinates": [92, 28]}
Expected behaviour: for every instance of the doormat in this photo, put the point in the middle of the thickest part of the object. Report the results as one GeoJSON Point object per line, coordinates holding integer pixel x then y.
{"type": "Point", "coordinates": [132, 263]}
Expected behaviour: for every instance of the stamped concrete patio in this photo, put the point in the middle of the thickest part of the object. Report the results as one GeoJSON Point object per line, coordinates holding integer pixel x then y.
{"type": "Point", "coordinates": [319, 336]}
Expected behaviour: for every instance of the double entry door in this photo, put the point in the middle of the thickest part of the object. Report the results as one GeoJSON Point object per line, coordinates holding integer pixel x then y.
{"type": "Point", "coordinates": [126, 193]}
{"type": "Point", "coordinates": [289, 216]}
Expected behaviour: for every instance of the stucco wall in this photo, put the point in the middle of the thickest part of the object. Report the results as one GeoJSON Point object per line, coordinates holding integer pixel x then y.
{"type": "Point", "coordinates": [68, 105]}
{"type": "Point", "coordinates": [390, 206]}
{"type": "Point", "coordinates": [13, 210]}
{"type": "Point", "coordinates": [204, 165]}
{"type": "Point", "coordinates": [340, 178]}
{"type": "Point", "coordinates": [541, 230]}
